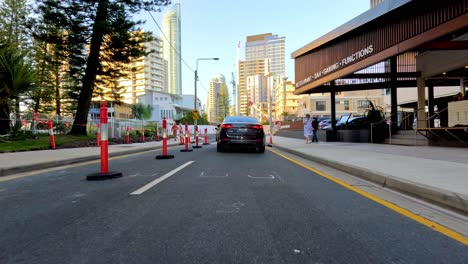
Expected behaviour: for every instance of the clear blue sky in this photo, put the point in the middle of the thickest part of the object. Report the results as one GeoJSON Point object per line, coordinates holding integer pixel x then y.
{"type": "Point", "coordinates": [212, 28]}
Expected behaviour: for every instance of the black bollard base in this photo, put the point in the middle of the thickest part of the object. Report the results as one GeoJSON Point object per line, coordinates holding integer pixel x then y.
{"type": "Point", "coordinates": [196, 146]}
{"type": "Point", "coordinates": [165, 157]}
{"type": "Point", "coordinates": [270, 145]}
{"type": "Point", "coordinates": [181, 143]}
{"type": "Point", "coordinates": [186, 150]}
{"type": "Point", "coordinates": [206, 143]}
{"type": "Point", "coordinates": [103, 176]}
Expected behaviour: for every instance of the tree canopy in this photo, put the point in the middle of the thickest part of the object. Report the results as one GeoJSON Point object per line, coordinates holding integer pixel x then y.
{"type": "Point", "coordinates": [96, 39]}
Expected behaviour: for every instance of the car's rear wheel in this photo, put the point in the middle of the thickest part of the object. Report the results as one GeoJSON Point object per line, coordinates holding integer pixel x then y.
{"type": "Point", "coordinates": [261, 149]}
{"type": "Point", "coordinates": [219, 148]}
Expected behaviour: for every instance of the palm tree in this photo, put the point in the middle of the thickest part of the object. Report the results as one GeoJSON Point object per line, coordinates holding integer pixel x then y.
{"type": "Point", "coordinates": [16, 77]}
{"type": "Point", "coordinates": [139, 111]}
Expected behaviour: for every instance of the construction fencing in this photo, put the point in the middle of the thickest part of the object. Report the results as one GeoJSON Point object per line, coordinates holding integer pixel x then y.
{"type": "Point", "coordinates": [118, 128]}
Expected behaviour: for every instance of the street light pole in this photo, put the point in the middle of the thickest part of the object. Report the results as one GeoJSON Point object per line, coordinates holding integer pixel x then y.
{"type": "Point", "coordinates": [270, 121]}
{"type": "Point", "coordinates": [195, 86]}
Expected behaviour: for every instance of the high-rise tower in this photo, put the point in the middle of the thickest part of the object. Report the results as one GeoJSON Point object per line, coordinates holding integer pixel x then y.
{"type": "Point", "coordinates": [268, 46]}
{"type": "Point", "coordinates": [264, 55]}
{"type": "Point", "coordinates": [172, 49]}
{"type": "Point", "coordinates": [218, 100]}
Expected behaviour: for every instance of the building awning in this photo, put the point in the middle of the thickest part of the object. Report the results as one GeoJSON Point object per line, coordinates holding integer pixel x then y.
{"type": "Point", "coordinates": [354, 56]}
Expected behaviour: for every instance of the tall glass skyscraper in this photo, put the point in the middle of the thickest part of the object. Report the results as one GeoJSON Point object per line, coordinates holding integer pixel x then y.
{"type": "Point", "coordinates": [172, 49]}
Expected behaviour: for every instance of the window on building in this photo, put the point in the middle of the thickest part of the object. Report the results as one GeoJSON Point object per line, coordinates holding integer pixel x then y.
{"type": "Point", "coordinates": [363, 103]}
{"type": "Point", "coordinates": [346, 105]}
{"type": "Point", "coordinates": [320, 105]}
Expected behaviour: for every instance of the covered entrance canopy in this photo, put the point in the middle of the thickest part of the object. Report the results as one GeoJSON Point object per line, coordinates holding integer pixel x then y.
{"type": "Point", "coordinates": [397, 44]}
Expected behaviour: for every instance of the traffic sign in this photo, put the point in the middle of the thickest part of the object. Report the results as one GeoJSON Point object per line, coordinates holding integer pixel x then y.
{"type": "Point", "coordinates": [195, 114]}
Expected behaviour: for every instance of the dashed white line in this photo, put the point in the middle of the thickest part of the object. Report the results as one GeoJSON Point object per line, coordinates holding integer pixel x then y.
{"type": "Point", "coordinates": [160, 179]}
{"type": "Point", "coordinates": [271, 177]}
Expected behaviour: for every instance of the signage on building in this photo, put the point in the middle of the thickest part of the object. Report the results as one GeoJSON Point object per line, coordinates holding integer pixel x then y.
{"type": "Point", "coordinates": [338, 65]}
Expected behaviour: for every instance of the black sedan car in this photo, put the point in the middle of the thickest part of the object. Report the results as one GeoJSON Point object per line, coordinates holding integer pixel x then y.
{"type": "Point", "coordinates": [240, 132]}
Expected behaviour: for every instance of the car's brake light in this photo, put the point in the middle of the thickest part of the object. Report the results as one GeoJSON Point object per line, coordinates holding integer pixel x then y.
{"type": "Point", "coordinates": [257, 127]}
{"type": "Point", "coordinates": [226, 126]}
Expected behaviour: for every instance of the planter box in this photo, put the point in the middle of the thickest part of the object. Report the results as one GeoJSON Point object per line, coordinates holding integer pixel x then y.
{"type": "Point", "coordinates": [357, 135]}
{"type": "Point", "coordinates": [327, 136]}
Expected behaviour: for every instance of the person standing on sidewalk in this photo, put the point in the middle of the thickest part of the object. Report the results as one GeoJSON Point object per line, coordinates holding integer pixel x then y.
{"type": "Point", "coordinates": [315, 129]}
{"type": "Point", "coordinates": [307, 121]}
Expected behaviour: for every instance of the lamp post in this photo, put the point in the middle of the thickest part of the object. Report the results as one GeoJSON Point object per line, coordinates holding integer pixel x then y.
{"type": "Point", "coordinates": [195, 99]}
{"type": "Point", "coordinates": [270, 85]}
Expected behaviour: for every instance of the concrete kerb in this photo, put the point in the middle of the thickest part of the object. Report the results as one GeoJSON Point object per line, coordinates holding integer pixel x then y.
{"type": "Point", "coordinates": [445, 198]}
{"type": "Point", "coordinates": [59, 163]}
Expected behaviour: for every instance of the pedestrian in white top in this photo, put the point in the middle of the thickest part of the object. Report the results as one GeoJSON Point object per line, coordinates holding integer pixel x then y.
{"type": "Point", "coordinates": [308, 131]}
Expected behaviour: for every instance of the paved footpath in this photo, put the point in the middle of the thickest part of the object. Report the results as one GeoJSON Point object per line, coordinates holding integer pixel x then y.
{"type": "Point", "coordinates": [437, 174]}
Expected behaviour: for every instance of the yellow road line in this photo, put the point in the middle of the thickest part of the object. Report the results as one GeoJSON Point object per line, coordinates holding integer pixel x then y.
{"type": "Point", "coordinates": [435, 226]}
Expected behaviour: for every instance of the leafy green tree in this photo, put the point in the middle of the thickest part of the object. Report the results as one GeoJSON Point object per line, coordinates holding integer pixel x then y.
{"type": "Point", "coordinates": [99, 39]}
{"type": "Point", "coordinates": [13, 32]}
{"type": "Point", "coordinates": [16, 77]}
{"type": "Point", "coordinates": [142, 112]}
{"type": "Point", "coordinates": [188, 117]}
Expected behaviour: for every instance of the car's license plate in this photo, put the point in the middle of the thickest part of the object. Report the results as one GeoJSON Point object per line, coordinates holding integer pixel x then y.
{"type": "Point", "coordinates": [242, 130]}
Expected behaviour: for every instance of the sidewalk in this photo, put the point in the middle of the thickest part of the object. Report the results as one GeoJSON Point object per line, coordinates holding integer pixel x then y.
{"type": "Point", "coordinates": [436, 174]}
{"type": "Point", "coordinates": [17, 162]}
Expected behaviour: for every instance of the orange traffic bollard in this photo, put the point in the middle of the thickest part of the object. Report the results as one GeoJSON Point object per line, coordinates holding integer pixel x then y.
{"type": "Point", "coordinates": [127, 137]}
{"type": "Point", "coordinates": [164, 154]}
{"type": "Point", "coordinates": [104, 174]}
{"type": "Point", "coordinates": [143, 134]}
{"type": "Point", "coordinates": [181, 135]}
{"type": "Point", "coordinates": [187, 140]}
{"type": "Point", "coordinates": [158, 138]}
{"type": "Point", "coordinates": [51, 134]}
{"type": "Point", "coordinates": [196, 137]}
{"type": "Point", "coordinates": [206, 137]}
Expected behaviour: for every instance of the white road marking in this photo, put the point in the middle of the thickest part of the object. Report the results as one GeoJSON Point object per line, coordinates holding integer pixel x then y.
{"type": "Point", "coordinates": [271, 177]}
{"type": "Point", "coordinates": [160, 179]}
{"type": "Point", "coordinates": [229, 209]}
{"type": "Point", "coordinates": [202, 175]}
{"type": "Point", "coordinates": [133, 175]}
{"type": "Point", "coordinates": [297, 251]}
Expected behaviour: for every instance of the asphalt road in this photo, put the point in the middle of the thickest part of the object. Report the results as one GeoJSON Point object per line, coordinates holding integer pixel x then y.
{"type": "Point", "coordinates": [230, 207]}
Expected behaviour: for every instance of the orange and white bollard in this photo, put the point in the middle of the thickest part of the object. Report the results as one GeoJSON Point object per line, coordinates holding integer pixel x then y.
{"type": "Point", "coordinates": [164, 144]}
{"type": "Point", "coordinates": [127, 137]}
{"type": "Point", "coordinates": [187, 140]}
{"type": "Point", "coordinates": [51, 134]}
{"type": "Point", "coordinates": [143, 134]}
{"type": "Point", "coordinates": [196, 137]}
{"type": "Point", "coordinates": [104, 174]}
{"type": "Point", "coordinates": [98, 136]}
{"type": "Point", "coordinates": [158, 131]}
{"type": "Point", "coordinates": [206, 137]}
{"type": "Point", "coordinates": [271, 141]}
{"type": "Point", "coordinates": [181, 135]}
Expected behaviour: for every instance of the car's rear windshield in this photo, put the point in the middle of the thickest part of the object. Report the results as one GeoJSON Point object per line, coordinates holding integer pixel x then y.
{"type": "Point", "coordinates": [240, 119]}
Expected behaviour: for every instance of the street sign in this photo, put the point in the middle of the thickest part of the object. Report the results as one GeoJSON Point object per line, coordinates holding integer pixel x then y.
{"type": "Point", "coordinates": [195, 114]}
